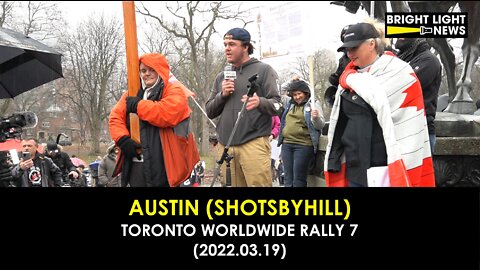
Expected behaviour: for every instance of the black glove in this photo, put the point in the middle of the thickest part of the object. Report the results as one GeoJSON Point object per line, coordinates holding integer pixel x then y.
{"type": "Point", "coordinates": [129, 147]}
{"type": "Point", "coordinates": [132, 103]}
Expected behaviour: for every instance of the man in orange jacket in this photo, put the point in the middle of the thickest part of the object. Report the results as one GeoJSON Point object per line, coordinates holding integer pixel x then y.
{"type": "Point", "coordinates": [167, 146]}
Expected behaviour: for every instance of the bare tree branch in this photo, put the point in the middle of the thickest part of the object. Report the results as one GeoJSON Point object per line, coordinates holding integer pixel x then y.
{"type": "Point", "coordinates": [196, 61]}
{"type": "Point", "coordinates": [93, 54]}
{"type": "Point", "coordinates": [6, 8]}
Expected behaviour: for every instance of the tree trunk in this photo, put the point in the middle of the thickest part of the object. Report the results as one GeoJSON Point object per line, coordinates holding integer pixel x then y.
{"type": "Point", "coordinates": [4, 107]}
{"type": "Point", "coordinates": [95, 132]}
{"type": "Point", "coordinates": [205, 135]}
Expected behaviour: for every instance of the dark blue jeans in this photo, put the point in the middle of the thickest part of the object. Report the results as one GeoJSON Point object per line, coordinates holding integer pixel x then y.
{"type": "Point", "coordinates": [296, 159]}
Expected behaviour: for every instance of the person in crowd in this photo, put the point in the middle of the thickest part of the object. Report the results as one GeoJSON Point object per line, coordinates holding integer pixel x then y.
{"type": "Point", "coordinates": [275, 128]}
{"type": "Point", "coordinates": [333, 78]}
{"type": "Point", "coordinates": [196, 176]}
{"type": "Point", "coordinates": [250, 146]}
{"type": "Point", "coordinates": [200, 171]}
{"type": "Point", "coordinates": [6, 178]}
{"type": "Point", "coordinates": [342, 62]}
{"type": "Point", "coordinates": [106, 168]}
{"type": "Point", "coordinates": [82, 178]}
{"type": "Point", "coordinates": [274, 145]}
{"type": "Point", "coordinates": [416, 52]}
{"type": "Point", "coordinates": [63, 161]}
{"type": "Point", "coordinates": [35, 169]}
{"type": "Point", "coordinates": [167, 151]}
{"type": "Point", "coordinates": [300, 128]}
{"type": "Point", "coordinates": [377, 134]}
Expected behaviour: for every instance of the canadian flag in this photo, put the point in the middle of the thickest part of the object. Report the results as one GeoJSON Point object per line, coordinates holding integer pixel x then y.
{"type": "Point", "coordinates": [393, 91]}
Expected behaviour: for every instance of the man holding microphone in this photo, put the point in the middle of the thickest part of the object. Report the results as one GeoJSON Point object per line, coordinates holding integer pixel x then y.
{"type": "Point", "coordinates": [250, 146]}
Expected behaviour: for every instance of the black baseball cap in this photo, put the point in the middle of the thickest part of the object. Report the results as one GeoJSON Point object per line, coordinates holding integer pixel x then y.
{"type": "Point", "coordinates": [238, 34]}
{"type": "Point", "coordinates": [358, 33]}
{"type": "Point", "coordinates": [52, 146]}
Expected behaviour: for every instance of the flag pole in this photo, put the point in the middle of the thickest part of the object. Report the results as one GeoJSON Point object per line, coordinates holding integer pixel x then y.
{"type": "Point", "coordinates": [311, 79]}
{"type": "Point", "coordinates": [201, 109]}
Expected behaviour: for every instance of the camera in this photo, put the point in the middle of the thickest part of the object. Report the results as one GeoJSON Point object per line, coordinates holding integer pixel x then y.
{"type": "Point", "coordinates": [26, 156]}
{"type": "Point", "coordinates": [11, 127]}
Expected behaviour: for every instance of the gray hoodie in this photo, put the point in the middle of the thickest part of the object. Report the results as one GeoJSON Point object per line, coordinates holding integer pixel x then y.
{"type": "Point", "coordinates": [255, 123]}
{"type": "Point", "coordinates": [106, 168]}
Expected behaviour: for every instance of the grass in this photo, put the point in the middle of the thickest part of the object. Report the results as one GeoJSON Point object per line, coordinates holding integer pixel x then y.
{"type": "Point", "coordinates": [83, 152]}
{"type": "Point", "coordinates": [209, 162]}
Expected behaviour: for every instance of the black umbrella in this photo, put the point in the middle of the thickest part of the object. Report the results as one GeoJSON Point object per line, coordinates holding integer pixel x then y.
{"type": "Point", "coordinates": [25, 63]}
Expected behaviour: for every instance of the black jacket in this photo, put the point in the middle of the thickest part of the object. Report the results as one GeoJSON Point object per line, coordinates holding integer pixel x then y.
{"type": "Point", "coordinates": [429, 71]}
{"type": "Point", "coordinates": [151, 172]}
{"type": "Point", "coordinates": [63, 161]}
{"type": "Point", "coordinates": [51, 176]}
{"type": "Point", "coordinates": [359, 135]}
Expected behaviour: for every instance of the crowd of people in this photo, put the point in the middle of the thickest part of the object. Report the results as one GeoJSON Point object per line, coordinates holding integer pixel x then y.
{"type": "Point", "coordinates": [53, 167]}
{"type": "Point", "coordinates": [381, 129]}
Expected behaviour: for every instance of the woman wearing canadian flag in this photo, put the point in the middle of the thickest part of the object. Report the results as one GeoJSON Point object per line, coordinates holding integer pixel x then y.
{"type": "Point", "coordinates": [378, 133]}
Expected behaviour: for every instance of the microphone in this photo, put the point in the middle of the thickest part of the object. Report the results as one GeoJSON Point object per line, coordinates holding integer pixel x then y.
{"type": "Point", "coordinates": [229, 73]}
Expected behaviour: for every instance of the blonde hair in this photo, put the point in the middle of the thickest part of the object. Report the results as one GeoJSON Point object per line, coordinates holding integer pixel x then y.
{"type": "Point", "coordinates": [381, 42]}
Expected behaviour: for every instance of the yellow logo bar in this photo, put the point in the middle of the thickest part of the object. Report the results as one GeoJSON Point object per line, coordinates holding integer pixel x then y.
{"type": "Point", "coordinates": [394, 30]}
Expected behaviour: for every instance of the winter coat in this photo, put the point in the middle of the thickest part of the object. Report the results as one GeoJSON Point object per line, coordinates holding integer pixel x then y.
{"type": "Point", "coordinates": [359, 136]}
{"type": "Point", "coordinates": [275, 126]}
{"type": "Point", "coordinates": [63, 161]}
{"type": "Point", "coordinates": [106, 169]}
{"type": "Point", "coordinates": [168, 145]}
{"type": "Point", "coordinates": [314, 125]}
{"type": "Point", "coordinates": [429, 71]}
{"type": "Point", "coordinates": [51, 176]}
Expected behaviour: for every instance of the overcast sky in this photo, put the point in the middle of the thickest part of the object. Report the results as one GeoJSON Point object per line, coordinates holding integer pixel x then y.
{"type": "Point", "coordinates": [321, 22]}
{"type": "Point", "coordinates": [76, 11]}
{"type": "Point", "coordinates": [327, 19]}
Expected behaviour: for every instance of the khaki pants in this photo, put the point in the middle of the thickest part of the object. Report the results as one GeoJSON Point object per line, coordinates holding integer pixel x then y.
{"type": "Point", "coordinates": [250, 166]}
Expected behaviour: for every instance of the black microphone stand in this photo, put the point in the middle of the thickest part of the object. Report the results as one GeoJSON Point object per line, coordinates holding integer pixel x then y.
{"type": "Point", "coordinates": [252, 88]}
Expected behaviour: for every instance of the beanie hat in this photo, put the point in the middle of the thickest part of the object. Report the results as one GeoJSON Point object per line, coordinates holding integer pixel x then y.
{"type": "Point", "coordinates": [297, 85]}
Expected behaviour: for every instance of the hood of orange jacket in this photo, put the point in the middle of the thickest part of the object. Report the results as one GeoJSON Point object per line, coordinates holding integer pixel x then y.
{"type": "Point", "coordinates": [159, 63]}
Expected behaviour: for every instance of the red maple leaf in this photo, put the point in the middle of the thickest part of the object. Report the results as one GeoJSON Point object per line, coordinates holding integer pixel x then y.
{"type": "Point", "coordinates": [414, 96]}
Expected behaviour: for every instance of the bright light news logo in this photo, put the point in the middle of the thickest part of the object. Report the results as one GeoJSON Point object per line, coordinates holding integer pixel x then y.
{"type": "Point", "coordinates": [427, 25]}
